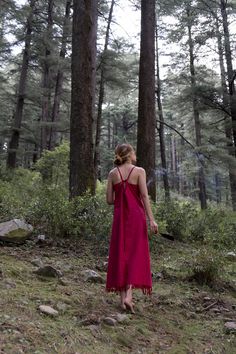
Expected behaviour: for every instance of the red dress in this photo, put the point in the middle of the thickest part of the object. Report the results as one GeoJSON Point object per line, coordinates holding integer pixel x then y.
{"type": "Point", "coordinates": [129, 257]}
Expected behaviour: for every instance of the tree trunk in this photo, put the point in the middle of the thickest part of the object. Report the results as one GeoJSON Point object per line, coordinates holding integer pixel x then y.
{"type": "Point", "coordinates": [14, 141]}
{"type": "Point", "coordinates": [161, 126]}
{"type": "Point", "coordinates": [232, 95]}
{"type": "Point", "coordinates": [201, 175]}
{"type": "Point", "coordinates": [53, 139]}
{"type": "Point", "coordinates": [146, 105]}
{"type": "Point", "coordinates": [228, 124]}
{"type": "Point", "coordinates": [46, 80]}
{"type": "Point", "coordinates": [83, 66]}
{"type": "Point", "coordinates": [101, 95]}
{"type": "Point", "coordinates": [109, 132]}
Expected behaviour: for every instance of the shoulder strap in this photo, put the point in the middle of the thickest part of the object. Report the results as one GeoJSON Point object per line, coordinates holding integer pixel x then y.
{"type": "Point", "coordinates": [120, 174]}
{"type": "Point", "coordinates": [130, 173]}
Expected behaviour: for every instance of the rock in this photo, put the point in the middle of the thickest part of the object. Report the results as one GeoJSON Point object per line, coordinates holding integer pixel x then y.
{"type": "Point", "coordinates": [231, 256]}
{"type": "Point", "coordinates": [63, 282]}
{"type": "Point", "coordinates": [37, 262]}
{"type": "Point", "coordinates": [95, 329]}
{"type": "Point", "coordinates": [121, 317]}
{"type": "Point", "coordinates": [230, 327]}
{"type": "Point", "coordinates": [48, 271]}
{"type": "Point", "coordinates": [1, 274]}
{"type": "Point", "coordinates": [41, 237]}
{"type": "Point", "coordinates": [48, 310]}
{"type": "Point", "coordinates": [91, 319]}
{"type": "Point", "coordinates": [16, 231]}
{"type": "Point", "coordinates": [109, 321]}
{"type": "Point", "coordinates": [10, 284]}
{"type": "Point", "coordinates": [158, 275]}
{"type": "Point", "coordinates": [92, 276]}
{"type": "Point", "coordinates": [207, 298]}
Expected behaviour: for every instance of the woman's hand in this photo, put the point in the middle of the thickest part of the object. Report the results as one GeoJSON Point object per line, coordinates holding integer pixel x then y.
{"type": "Point", "coordinates": [153, 226]}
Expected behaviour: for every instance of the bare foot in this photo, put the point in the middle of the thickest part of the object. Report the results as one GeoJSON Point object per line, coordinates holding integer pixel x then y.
{"type": "Point", "coordinates": [129, 305]}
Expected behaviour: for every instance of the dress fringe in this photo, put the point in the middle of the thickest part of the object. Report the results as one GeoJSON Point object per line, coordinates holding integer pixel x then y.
{"type": "Point", "coordinates": [146, 290]}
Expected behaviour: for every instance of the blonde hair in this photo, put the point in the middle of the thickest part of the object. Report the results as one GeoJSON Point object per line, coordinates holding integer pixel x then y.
{"type": "Point", "coordinates": [122, 153]}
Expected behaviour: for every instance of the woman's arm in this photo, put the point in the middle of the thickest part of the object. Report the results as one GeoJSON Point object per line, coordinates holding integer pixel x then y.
{"type": "Point", "coordinates": [144, 194]}
{"type": "Point", "coordinates": [110, 192]}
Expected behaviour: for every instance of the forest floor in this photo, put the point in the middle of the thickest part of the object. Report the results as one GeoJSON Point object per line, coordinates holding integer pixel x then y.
{"type": "Point", "coordinates": [180, 317]}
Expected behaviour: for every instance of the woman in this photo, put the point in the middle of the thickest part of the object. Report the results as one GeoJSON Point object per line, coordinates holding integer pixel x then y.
{"type": "Point", "coordinates": [129, 258]}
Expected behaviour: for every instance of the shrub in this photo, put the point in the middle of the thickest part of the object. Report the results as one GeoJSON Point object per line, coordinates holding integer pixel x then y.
{"type": "Point", "coordinates": [174, 215]}
{"type": "Point", "coordinates": [17, 193]}
{"type": "Point", "coordinates": [206, 266]}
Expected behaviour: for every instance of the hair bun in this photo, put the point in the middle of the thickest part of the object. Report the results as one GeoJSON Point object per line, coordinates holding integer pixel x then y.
{"type": "Point", "coordinates": [118, 159]}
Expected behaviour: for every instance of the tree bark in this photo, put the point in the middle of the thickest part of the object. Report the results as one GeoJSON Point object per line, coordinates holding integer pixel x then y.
{"type": "Point", "coordinates": [146, 106]}
{"type": "Point", "coordinates": [232, 97]}
{"type": "Point", "coordinates": [53, 139]}
{"type": "Point", "coordinates": [101, 95]}
{"type": "Point", "coordinates": [201, 175]}
{"type": "Point", "coordinates": [15, 136]}
{"type": "Point", "coordinates": [84, 32]}
{"type": "Point", "coordinates": [161, 129]}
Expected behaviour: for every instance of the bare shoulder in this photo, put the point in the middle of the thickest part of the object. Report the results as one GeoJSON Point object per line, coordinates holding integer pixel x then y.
{"type": "Point", "coordinates": [140, 170]}
{"type": "Point", "coordinates": [112, 172]}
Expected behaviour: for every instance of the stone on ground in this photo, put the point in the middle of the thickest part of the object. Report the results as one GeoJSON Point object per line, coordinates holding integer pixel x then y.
{"type": "Point", "coordinates": [48, 271]}
{"type": "Point", "coordinates": [15, 231]}
{"type": "Point", "coordinates": [48, 310]}
{"type": "Point", "coordinates": [230, 327]}
{"type": "Point", "coordinates": [109, 321]}
{"type": "Point", "coordinates": [92, 276]}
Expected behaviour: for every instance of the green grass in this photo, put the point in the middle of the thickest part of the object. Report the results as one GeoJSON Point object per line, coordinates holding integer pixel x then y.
{"type": "Point", "coordinates": [172, 320]}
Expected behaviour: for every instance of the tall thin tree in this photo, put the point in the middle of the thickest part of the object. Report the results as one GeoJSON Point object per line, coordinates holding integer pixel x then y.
{"type": "Point", "coordinates": [231, 75]}
{"type": "Point", "coordinates": [53, 136]}
{"type": "Point", "coordinates": [84, 33]}
{"type": "Point", "coordinates": [101, 93]}
{"type": "Point", "coordinates": [15, 136]}
{"type": "Point", "coordinates": [47, 78]}
{"type": "Point", "coordinates": [196, 115]}
{"type": "Point", "coordinates": [161, 129]}
{"type": "Point", "coordinates": [146, 106]}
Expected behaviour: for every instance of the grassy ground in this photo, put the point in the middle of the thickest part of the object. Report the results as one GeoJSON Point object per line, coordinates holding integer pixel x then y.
{"type": "Point", "coordinates": [174, 320]}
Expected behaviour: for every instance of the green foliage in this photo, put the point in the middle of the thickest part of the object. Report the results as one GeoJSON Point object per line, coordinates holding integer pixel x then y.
{"type": "Point", "coordinates": [54, 165]}
{"type": "Point", "coordinates": [214, 225]}
{"type": "Point", "coordinates": [41, 198]}
{"type": "Point", "coordinates": [84, 216]}
{"type": "Point", "coordinates": [175, 215]}
{"type": "Point", "coordinates": [206, 266]}
{"type": "Point", "coordinates": [90, 216]}
{"type": "Point", "coordinates": [47, 206]}
{"type": "Point", "coordinates": [186, 221]}
{"type": "Point", "coordinates": [17, 193]}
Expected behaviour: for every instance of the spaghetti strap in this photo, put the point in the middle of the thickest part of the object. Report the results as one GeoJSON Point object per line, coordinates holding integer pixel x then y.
{"type": "Point", "coordinates": [120, 174]}
{"type": "Point", "coordinates": [130, 173]}
{"type": "Point", "coordinates": [125, 180]}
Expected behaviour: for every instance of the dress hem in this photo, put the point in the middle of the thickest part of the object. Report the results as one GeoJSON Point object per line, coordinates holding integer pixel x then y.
{"type": "Point", "coordinates": [146, 290]}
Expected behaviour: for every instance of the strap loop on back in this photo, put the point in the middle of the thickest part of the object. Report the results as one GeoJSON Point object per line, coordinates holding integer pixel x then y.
{"type": "Point", "coordinates": [125, 180]}
{"type": "Point", "coordinates": [130, 173]}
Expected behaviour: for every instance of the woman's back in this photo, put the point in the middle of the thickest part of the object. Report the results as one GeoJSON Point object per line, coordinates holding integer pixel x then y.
{"type": "Point", "coordinates": [124, 171]}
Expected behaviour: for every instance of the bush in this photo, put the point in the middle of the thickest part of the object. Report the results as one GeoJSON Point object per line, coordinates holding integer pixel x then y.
{"type": "Point", "coordinates": [54, 166]}
{"type": "Point", "coordinates": [17, 193]}
{"type": "Point", "coordinates": [186, 221]}
{"type": "Point", "coordinates": [206, 266]}
{"type": "Point", "coordinates": [84, 216]}
{"type": "Point", "coordinates": [175, 216]}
